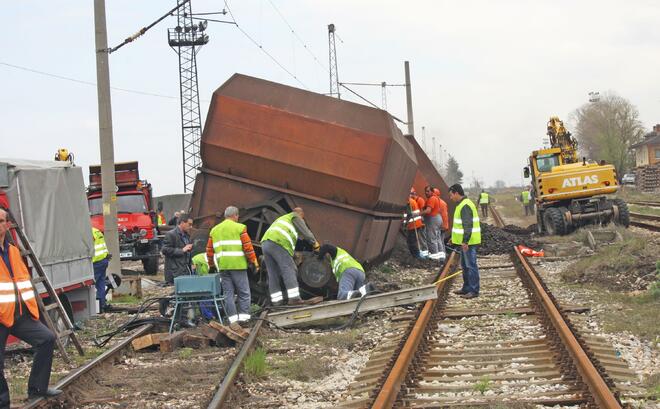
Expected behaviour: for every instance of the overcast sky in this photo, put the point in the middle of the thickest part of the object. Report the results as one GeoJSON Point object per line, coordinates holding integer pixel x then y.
{"type": "Point", "coordinates": [486, 75]}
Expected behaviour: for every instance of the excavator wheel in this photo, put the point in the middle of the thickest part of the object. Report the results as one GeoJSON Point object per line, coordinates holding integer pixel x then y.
{"type": "Point", "coordinates": [624, 213]}
{"type": "Point", "coordinates": [553, 219]}
{"type": "Point", "coordinates": [568, 227]}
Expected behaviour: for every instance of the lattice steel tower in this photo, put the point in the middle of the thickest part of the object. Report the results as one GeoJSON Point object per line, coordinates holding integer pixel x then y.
{"type": "Point", "coordinates": [186, 39]}
{"type": "Point", "coordinates": [334, 75]}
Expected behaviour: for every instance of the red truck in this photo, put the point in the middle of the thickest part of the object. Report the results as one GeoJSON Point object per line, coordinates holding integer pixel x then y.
{"type": "Point", "coordinates": [136, 218]}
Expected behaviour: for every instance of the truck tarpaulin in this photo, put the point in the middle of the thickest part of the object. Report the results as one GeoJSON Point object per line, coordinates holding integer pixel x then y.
{"type": "Point", "coordinates": [48, 200]}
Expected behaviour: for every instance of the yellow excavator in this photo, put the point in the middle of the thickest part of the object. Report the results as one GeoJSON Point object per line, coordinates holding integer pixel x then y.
{"type": "Point", "coordinates": [570, 193]}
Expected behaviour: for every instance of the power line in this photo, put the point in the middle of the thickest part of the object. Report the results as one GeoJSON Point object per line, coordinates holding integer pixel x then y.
{"type": "Point", "coordinates": [261, 47]}
{"type": "Point", "coordinates": [62, 77]}
{"type": "Point", "coordinates": [298, 37]}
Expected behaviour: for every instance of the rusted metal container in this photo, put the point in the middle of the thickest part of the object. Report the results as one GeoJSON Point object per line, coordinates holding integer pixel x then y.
{"type": "Point", "coordinates": [347, 165]}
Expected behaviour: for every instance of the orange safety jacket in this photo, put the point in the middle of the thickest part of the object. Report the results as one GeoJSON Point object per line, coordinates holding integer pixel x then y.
{"type": "Point", "coordinates": [414, 220]}
{"type": "Point", "coordinates": [19, 285]}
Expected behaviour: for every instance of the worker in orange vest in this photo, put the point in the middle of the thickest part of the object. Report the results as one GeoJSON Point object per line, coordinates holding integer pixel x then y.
{"type": "Point", "coordinates": [414, 225]}
{"type": "Point", "coordinates": [434, 223]}
{"type": "Point", "coordinates": [19, 316]}
{"type": "Point", "coordinates": [444, 212]}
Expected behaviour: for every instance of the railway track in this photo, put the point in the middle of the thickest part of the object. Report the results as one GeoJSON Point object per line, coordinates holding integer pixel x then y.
{"type": "Point", "coordinates": [497, 218]}
{"type": "Point", "coordinates": [69, 382]}
{"type": "Point", "coordinates": [513, 343]}
{"type": "Point", "coordinates": [646, 203]}
{"type": "Point", "coordinates": [645, 221]}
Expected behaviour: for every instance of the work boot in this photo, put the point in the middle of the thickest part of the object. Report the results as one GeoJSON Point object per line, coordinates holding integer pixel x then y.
{"type": "Point", "coordinates": [48, 393]}
{"type": "Point", "coordinates": [459, 292]}
{"type": "Point", "coordinates": [469, 295]}
{"type": "Point", "coordinates": [300, 301]}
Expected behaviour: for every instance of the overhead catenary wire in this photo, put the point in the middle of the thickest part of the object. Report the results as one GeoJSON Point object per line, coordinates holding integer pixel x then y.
{"type": "Point", "coordinates": [261, 47]}
{"type": "Point", "coordinates": [79, 81]}
{"type": "Point", "coordinates": [341, 84]}
{"type": "Point", "coordinates": [305, 46]}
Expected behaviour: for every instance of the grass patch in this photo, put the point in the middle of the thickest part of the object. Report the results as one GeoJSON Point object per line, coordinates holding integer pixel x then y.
{"type": "Point", "coordinates": [483, 385]}
{"type": "Point", "coordinates": [126, 299]}
{"type": "Point", "coordinates": [17, 386]}
{"type": "Point", "coordinates": [303, 369]}
{"type": "Point", "coordinates": [654, 211]}
{"type": "Point", "coordinates": [652, 384]}
{"type": "Point", "coordinates": [630, 193]}
{"type": "Point", "coordinates": [185, 353]}
{"type": "Point", "coordinates": [255, 364]}
{"type": "Point", "coordinates": [617, 266]}
{"type": "Point", "coordinates": [386, 269]}
{"type": "Point", "coordinates": [509, 207]}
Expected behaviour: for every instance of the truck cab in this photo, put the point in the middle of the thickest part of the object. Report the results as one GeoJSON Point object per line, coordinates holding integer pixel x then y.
{"type": "Point", "coordinates": [135, 214]}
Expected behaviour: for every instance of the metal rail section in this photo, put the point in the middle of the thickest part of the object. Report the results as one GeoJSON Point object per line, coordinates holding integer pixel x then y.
{"type": "Point", "coordinates": [649, 217]}
{"type": "Point", "coordinates": [225, 387]}
{"type": "Point", "coordinates": [347, 307]}
{"type": "Point", "coordinates": [392, 384]}
{"type": "Point", "coordinates": [597, 386]}
{"type": "Point", "coordinates": [645, 203]}
{"type": "Point", "coordinates": [499, 222]}
{"type": "Point", "coordinates": [91, 365]}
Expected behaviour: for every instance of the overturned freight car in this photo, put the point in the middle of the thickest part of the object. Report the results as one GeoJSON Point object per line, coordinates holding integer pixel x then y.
{"type": "Point", "coordinates": [268, 147]}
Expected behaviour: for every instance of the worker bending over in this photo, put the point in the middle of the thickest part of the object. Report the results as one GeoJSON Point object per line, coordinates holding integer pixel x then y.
{"type": "Point", "coordinates": [434, 224]}
{"type": "Point", "coordinates": [466, 232]}
{"type": "Point", "coordinates": [348, 272]}
{"type": "Point", "coordinates": [278, 245]}
{"type": "Point", "coordinates": [230, 250]}
{"type": "Point", "coordinates": [19, 316]}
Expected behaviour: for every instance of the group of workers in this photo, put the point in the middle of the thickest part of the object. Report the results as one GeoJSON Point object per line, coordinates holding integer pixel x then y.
{"type": "Point", "coordinates": [229, 252]}
{"type": "Point", "coordinates": [427, 222]}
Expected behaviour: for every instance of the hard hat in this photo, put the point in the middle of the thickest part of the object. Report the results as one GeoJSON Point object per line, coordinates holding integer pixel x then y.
{"type": "Point", "coordinates": [436, 191]}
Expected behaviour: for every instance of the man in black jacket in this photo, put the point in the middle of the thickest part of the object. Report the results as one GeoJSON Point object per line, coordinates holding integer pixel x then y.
{"type": "Point", "coordinates": [177, 249]}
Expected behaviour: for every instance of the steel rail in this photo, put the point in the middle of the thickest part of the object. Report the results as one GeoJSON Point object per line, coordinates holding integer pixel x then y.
{"type": "Point", "coordinates": [392, 384]}
{"type": "Point", "coordinates": [653, 217]}
{"type": "Point", "coordinates": [225, 387]}
{"type": "Point", "coordinates": [645, 203]}
{"type": "Point", "coordinates": [74, 376]}
{"type": "Point", "coordinates": [597, 386]}
{"type": "Point", "coordinates": [499, 222]}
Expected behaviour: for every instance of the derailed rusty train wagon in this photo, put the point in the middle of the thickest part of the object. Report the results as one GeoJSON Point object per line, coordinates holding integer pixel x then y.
{"type": "Point", "coordinates": [268, 147]}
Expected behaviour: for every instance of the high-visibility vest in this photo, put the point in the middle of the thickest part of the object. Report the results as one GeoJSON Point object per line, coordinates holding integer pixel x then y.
{"type": "Point", "coordinates": [342, 262]}
{"type": "Point", "coordinates": [161, 219]}
{"type": "Point", "coordinates": [413, 219]}
{"type": "Point", "coordinates": [100, 249]}
{"type": "Point", "coordinates": [525, 196]}
{"type": "Point", "coordinates": [20, 284]}
{"type": "Point", "coordinates": [483, 198]}
{"type": "Point", "coordinates": [457, 228]}
{"type": "Point", "coordinates": [283, 232]}
{"type": "Point", "coordinates": [201, 264]}
{"type": "Point", "coordinates": [227, 246]}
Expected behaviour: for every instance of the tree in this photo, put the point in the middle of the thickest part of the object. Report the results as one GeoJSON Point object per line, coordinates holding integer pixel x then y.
{"type": "Point", "coordinates": [499, 184]}
{"type": "Point", "coordinates": [606, 130]}
{"type": "Point", "coordinates": [452, 173]}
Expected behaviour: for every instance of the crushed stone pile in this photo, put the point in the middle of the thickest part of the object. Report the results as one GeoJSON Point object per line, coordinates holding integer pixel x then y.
{"type": "Point", "coordinates": [495, 240]}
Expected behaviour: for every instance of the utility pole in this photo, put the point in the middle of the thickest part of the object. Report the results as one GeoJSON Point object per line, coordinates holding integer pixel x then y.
{"type": "Point", "coordinates": [411, 127]}
{"type": "Point", "coordinates": [435, 159]}
{"type": "Point", "coordinates": [383, 86]}
{"type": "Point", "coordinates": [334, 74]}
{"type": "Point", "coordinates": [108, 185]}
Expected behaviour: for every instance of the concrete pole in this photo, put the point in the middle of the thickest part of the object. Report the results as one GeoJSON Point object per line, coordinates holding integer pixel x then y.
{"type": "Point", "coordinates": [108, 186]}
{"type": "Point", "coordinates": [411, 127]}
{"type": "Point", "coordinates": [424, 138]}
